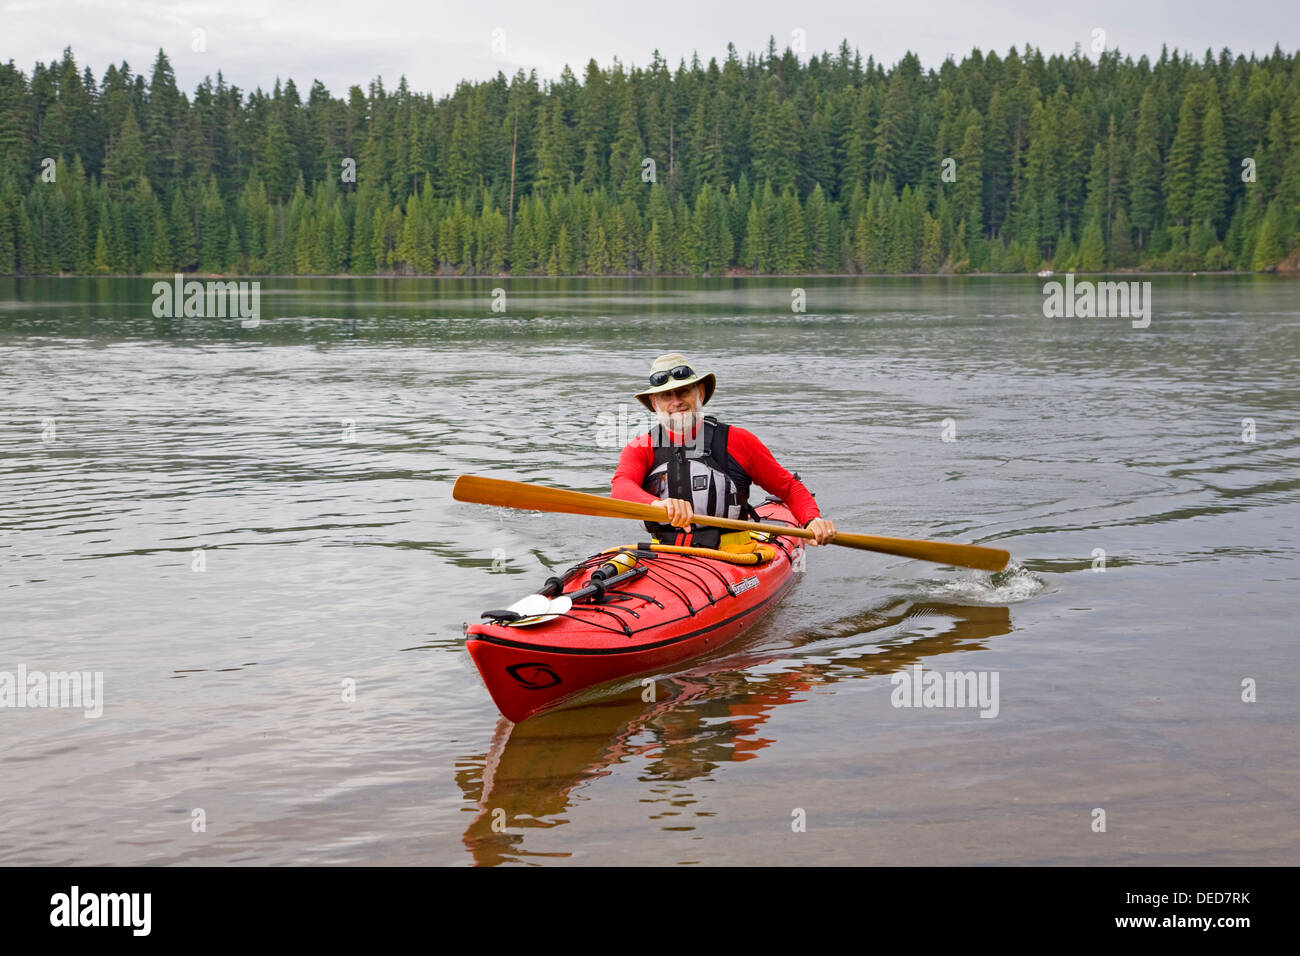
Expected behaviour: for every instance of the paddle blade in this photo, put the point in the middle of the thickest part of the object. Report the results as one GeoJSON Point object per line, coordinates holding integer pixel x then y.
{"type": "Point", "coordinates": [517, 494]}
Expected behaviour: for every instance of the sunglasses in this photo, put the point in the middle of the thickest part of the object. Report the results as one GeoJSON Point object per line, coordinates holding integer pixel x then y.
{"type": "Point", "coordinates": [679, 373]}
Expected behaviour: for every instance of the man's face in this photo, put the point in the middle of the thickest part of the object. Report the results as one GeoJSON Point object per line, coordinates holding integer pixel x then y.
{"type": "Point", "coordinates": [679, 409]}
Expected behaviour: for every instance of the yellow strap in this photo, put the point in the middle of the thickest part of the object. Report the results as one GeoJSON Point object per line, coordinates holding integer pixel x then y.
{"type": "Point", "coordinates": [729, 556]}
{"type": "Point", "coordinates": [737, 547]}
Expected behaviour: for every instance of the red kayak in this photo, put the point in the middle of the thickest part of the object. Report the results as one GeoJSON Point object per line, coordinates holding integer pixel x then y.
{"type": "Point", "coordinates": [626, 612]}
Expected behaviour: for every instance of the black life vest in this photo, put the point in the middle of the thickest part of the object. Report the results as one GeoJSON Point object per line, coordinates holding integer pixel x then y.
{"type": "Point", "coordinates": [701, 472]}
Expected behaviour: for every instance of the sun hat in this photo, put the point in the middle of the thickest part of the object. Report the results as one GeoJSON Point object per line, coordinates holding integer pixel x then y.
{"type": "Point", "coordinates": [664, 367]}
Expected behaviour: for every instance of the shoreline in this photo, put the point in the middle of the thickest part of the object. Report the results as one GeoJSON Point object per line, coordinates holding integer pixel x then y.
{"type": "Point", "coordinates": [642, 275]}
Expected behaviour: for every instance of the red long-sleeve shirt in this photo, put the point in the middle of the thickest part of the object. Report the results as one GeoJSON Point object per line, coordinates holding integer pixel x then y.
{"type": "Point", "coordinates": [751, 454]}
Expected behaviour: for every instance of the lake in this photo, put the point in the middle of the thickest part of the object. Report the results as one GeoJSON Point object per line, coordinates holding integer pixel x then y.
{"type": "Point", "coordinates": [248, 533]}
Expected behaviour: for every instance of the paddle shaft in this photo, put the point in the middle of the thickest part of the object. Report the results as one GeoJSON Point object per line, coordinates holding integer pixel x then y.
{"type": "Point", "coordinates": [527, 497]}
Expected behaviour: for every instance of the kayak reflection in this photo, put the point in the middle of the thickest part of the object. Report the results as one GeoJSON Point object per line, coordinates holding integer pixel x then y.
{"type": "Point", "coordinates": [701, 719]}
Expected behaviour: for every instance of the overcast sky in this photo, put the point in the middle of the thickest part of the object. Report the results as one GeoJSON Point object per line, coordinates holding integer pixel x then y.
{"type": "Point", "coordinates": [436, 44]}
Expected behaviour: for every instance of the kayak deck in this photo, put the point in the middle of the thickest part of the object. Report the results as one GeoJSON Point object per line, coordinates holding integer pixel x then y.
{"type": "Point", "coordinates": [678, 607]}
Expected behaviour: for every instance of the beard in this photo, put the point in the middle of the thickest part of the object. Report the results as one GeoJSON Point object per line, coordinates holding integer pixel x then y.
{"type": "Point", "coordinates": [683, 423]}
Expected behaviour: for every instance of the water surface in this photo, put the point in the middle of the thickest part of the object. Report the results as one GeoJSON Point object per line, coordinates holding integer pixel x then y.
{"type": "Point", "coordinates": [306, 466]}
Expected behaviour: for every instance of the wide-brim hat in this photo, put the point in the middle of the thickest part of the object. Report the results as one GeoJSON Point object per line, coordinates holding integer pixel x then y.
{"type": "Point", "coordinates": [666, 363]}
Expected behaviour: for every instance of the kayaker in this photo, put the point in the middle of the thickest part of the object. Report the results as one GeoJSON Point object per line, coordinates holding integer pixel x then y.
{"type": "Point", "coordinates": [691, 463]}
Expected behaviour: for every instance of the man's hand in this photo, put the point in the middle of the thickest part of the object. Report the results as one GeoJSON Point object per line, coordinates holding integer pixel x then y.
{"type": "Point", "coordinates": [680, 511]}
{"type": "Point", "coordinates": [823, 528]}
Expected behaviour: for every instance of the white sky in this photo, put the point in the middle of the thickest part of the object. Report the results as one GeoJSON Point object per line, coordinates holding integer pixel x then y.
{"type": "Point", "coordinates": [436, 44]}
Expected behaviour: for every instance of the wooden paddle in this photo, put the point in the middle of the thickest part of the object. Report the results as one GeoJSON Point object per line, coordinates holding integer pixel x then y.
{"type": "Point", "coordinates": [517, 494]}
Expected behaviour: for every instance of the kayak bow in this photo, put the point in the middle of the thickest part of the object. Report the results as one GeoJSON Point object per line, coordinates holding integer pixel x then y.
{"type": "Point", "coordinates": [658, 610]}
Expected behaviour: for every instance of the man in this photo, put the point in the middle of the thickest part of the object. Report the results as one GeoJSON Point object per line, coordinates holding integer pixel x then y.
{"type": "Point", "coordinates": [690, 464]}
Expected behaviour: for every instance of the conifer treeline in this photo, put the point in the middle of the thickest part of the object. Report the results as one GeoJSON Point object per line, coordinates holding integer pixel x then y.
{"type": "Point", "coordinates": [766, 164]}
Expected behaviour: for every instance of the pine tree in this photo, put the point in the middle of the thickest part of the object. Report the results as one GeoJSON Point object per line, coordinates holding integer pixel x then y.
{"type": "Point", "coordinates": [591, 168]}
{"type": "Point", "coordinates": [125, 166]}
{"type": "Point", "coordinates": [1064, 258]}
{"type": "Point", "coordinates": [597, 245]}
{"type": "Point", "coordinates": [361, 257]}
{"type": "Point", "coordinates": [710, 237]}
{"type": "Point", "coordinates": [1116, 168]}
{"type": "Point", "coordinates": [1268, 247]}
{"type": "Point", "coordinates": [416, 248]}
{"type": "Point", "coordinates": [181, 224]}
{"type": "Point", "coordinates": [165, 125]}
{"type": "Point", "coordinates": [277, 255]}
{"type": "Point", "coordinates": [659, 239]}
{"type": "Point", "coordinates": [305, 252]}
{"type": "Point", "coordinates": [958, 259]}
{"type": "Point", "coordinates": [214, 231]}
{"type": "Point", "coordinates": [23, 253]}
{"type": "Point", "coordinates": [754, 255]}
{"type": "Point", "coordinates": [1094, 207]}
{"type": "Point", "coordinates": [119, 250]}
{"type": "Point", "coordinates": [863, 252]}
{"type": "Point", "coordinates": [1121, 241]}
{"type": "Point", "coordinates": [888, 140]}
{"type": "Point", "coordinates": [8, 247]}
{"type": "Point", "coordinates": [277, 165]}
{"type": "Point", "coordinates": [858, 147]}
{"type": "Point", "coordinates": [794, 235]}
{"type": "Point", "coordinates": [77, 252]}
{"type": "Point", "coordinates": [776, 134]}
{"type": "Point", "coordinates": [1092, 247]}
{"type": "Point", "coordinates": [1202, 241]}
{"type": "Point", "coordinates": [625, 158]}
{"type": "Point", "coordinates": [1040, 223]}
{"type": "Point", "coordinates": [339, 241]}
{"type": "Point", "coordinates": [381, 238]}
{"type": "Point", "coordinates": [163, 256]}
{"type": "Point", "coordinates": [1181, 167]}
{"type": "Point", "coordinates": [999, 161]}
{"type": "Point", "coordinates": [494, 244]}
{"type": "Point", "coordinates": [1289, 187]}
{"type": "Point", "coordinates": [739, 197]}
{"type": "Point", "coordinates": [969, 191]}
{"type": "Point", "coordinates": [819, 232]}
{"type": "Point", "coordinates": [562, 254]}
{"type": "Point", "coordinates": [233, 254]}
{"type": "Point", "coordinates": [412, 249]}
{"type": "Point", "coordinates": [553, 149]}
{"type": "Point", "coordinates": [151, 229]}
{"type": "Point", "coordinates": [100, 262]}
{"type": "Point", "coordinates": [1144, 176]}
{"type": "Point", "coordinates": [931, 248]}
{"type": "Point", "coordinates": [769, 207]}
{"type": "Point", "coordinates": [1209, 203]}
